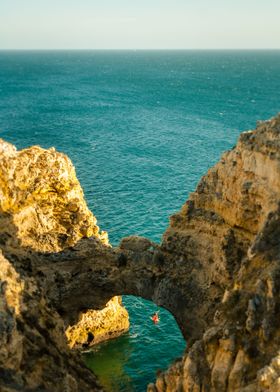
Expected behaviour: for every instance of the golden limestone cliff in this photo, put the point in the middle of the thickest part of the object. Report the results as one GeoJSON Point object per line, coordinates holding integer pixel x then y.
{"type": "Point", "coordinates": [228, 237]}
{"type": "Point", "coordinates": [217, 271]}
{"type": "Point", "coordinates": [42, 209]}
{"type": "Point", "coordinates": [40, 194]}
{"type": "Point", "coordinates": [34, 355]}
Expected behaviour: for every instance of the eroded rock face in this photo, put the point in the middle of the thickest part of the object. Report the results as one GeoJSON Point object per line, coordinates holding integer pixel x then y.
{"type": "Point", "coordinates": [42, 209]}
{"type": "Point", "coordinates": [34, 355]}
{"type": "Point", "coordinates": [42, 200]}
{"type": "Point", "coordinates": [217, 271]}
{"type": "Point", "coordinates": [228, 235]}
{"type": "Point", "coordinates": [110, 322]}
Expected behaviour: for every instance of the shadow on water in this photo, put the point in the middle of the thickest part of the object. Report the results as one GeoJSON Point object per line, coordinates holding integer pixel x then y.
{"type": "Point", "coordinates": [129, 363]}
{"type": "Point", "coordinates": [108, 360]}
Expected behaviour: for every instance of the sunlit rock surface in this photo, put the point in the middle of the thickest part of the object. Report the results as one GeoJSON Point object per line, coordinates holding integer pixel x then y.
{"type": "Point", "coordinates": [109, 323]}
{"type": "Point", "coordinates": [42, 209]}
{"type": "Point", "coordinates": [40, 194]}
{"type": "Point", "coordinates": [228, 237]}
{"type": "Point", "coordinates": [217, 271]}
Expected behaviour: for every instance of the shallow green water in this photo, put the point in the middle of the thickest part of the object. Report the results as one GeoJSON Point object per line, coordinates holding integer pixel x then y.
{"type": "Point", "coordinates": [123, 357]}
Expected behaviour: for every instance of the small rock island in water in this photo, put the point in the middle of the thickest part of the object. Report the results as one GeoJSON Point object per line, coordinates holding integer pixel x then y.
{"type": "Point", "coordinates": [217, 271]}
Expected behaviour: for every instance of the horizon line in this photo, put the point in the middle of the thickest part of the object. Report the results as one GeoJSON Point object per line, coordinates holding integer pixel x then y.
{"type": "Point", "coordinates": [135, 49]}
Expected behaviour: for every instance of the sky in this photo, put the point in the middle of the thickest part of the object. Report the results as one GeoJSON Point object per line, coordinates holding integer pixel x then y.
{"type": "Point", "coordinates": [139, 24]}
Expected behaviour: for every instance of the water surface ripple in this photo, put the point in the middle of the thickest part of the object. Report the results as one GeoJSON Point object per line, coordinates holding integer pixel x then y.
{"type": "Point", "coordinates": [141, 129]}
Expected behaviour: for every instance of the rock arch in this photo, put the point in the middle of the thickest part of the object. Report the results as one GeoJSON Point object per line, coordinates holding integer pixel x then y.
{"type": "Point", "coordinates": [217, 271]}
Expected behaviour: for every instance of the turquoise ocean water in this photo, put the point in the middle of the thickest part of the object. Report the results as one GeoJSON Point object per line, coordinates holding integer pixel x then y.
{"type": "Point", "coordinates": [141, 128]}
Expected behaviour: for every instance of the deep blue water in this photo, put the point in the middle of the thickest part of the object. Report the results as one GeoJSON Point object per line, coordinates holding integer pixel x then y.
{"type": "Point", "coordinates": [141, 128]}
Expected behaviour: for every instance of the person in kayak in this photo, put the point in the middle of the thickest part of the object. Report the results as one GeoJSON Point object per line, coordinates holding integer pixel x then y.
{"type": "Point", "coordinates": [155, 318]}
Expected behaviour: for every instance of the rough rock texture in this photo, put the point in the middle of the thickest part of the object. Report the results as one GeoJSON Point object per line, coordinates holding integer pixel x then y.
{"type": "Point", "coordinates": [109, 323]}
{"type": "Point", "coordinates": [42, 199]}
{"type": "Point", "coordinates": [217, 271]}
{"type": "Point", "coordinates": [42, 209]}
{"type": "Point", "coordinates": [228, 237]}
{"type": "Point", "coordinates": [34, 355]}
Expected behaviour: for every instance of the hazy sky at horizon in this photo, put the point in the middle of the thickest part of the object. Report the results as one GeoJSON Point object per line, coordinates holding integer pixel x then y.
{"type": "Point", "coordinates": [139, 24]}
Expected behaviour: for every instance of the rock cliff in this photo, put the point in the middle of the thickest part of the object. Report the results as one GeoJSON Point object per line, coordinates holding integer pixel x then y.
{"type": "Point", "coordinates": [42, 200]}
{"type": "Point", "coordinates": [227, 236]}
{"type": "Point", "coordinates": [42, 209]}
{"type": "Point", "coordinates": [34, 355]}
{"type": "Point", "coordinates": [217, 271]}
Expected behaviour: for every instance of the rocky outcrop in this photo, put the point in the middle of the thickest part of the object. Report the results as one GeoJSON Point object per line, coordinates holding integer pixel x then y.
{"type": "Point", "coordinates": [109, 323]}
{"type": "Point", "coordinates": [34, 355]}
{"type": "Point", "coordinates": [42, 200]}
{"type": "Point", "coordinates": [217, 271]}
{"type": "Point", "coordinates": [227, 235]}
{"type": "Point", "coordinates": [42, 209]}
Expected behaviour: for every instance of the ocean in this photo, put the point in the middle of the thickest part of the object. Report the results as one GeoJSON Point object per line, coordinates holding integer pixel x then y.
{"type": "Point", "coordinates": [141, 127]}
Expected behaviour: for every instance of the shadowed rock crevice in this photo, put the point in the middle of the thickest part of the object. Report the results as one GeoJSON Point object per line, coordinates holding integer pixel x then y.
{"type": "Point", "coordinates": [34, 355]}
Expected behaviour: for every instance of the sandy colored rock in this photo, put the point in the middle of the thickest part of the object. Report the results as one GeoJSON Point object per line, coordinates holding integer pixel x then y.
{"type": "Point", "coordinates": [217, 271]}
{"type": "Point", "coordinates": [228, 235]}
{"type": "Point", "coordinates": [40, 193]}
{"type": "Point", "coordinates": [110, 322]}
{"type": "Point", "coordinates": [42, 209]}
{"type": "Point", "coordinates": [34, 355]}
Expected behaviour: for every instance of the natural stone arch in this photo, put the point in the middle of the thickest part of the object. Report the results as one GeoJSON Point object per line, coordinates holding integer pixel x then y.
{"type": "Point", "coordinates": [88, 276]}
{"type": "Point", "coordinates": [217, 270]}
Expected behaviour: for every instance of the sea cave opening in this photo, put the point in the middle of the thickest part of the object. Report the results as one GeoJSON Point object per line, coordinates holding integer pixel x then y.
{"type": "Point", "coordinates": [130, 362]}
